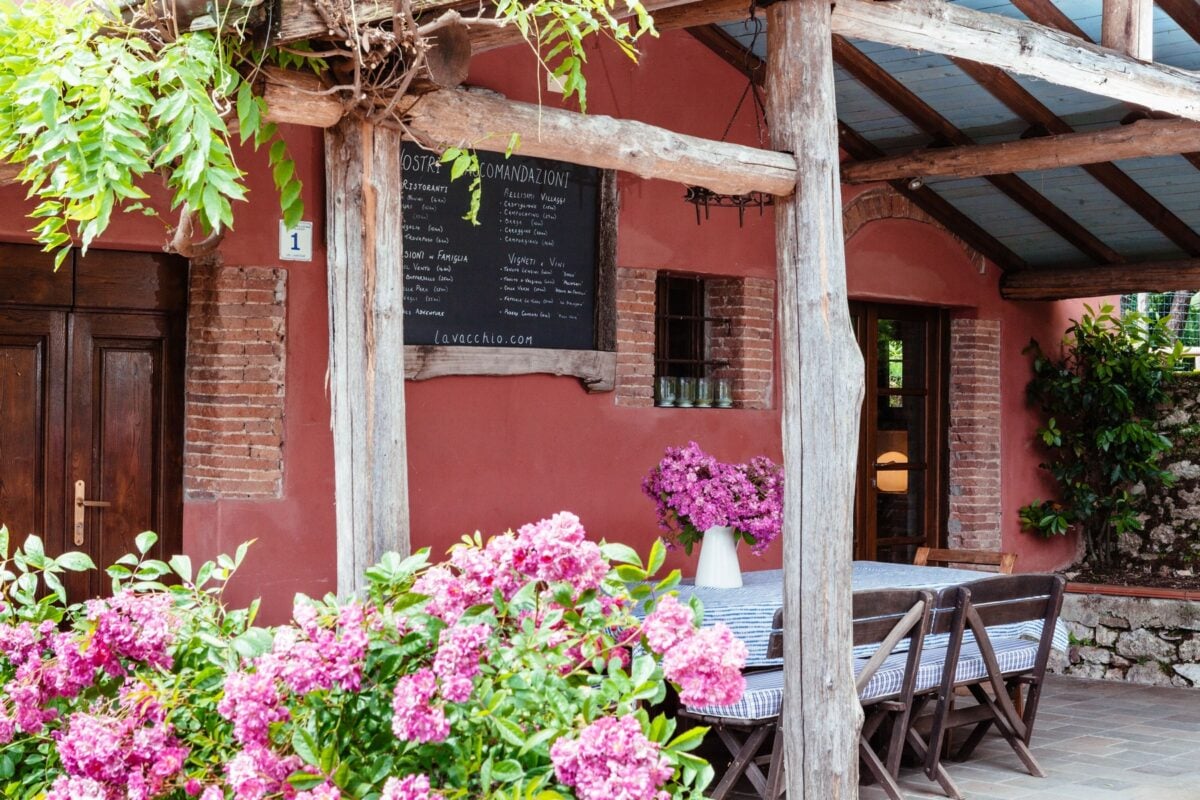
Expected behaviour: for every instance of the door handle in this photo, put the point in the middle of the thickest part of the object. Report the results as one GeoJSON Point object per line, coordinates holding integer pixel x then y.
{"type": "Point", "coordinates": [80, 505]}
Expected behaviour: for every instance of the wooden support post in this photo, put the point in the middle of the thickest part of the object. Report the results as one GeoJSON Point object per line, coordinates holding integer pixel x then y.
{"type": "Point", "coordinates": [366, 345]}
{"type": "Point", "coordinates": [1128, 27]}
{"type": "Point", "coordinates": [822, 399]}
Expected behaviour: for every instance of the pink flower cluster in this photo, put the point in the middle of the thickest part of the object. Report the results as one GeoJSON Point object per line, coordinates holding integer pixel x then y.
{"type": "Point", "coordinates": [693, 492]}
{"type": "Point", "coordinates": [414, 716]}
{"type": "Point", "coordinates": [131, 754]}
{"type": "Point", "coordinates": [612, 760]}
{"type": "Point", "coordinates": [553, 550]}
{"type": "Point", "coordinates": [50, 664]}
{"type": "Point", "coordinates": [310, 656]}
{"type": "Point", "coordinates": [413, 787]}
{"type": "Point", "coordinates": [705, 664]}
{"type": "Point", "coordinates": [457, 660]}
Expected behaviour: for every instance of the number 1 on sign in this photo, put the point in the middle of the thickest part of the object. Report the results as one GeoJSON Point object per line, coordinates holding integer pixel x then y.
{"type": "Point", "coordinates": [295, 244]}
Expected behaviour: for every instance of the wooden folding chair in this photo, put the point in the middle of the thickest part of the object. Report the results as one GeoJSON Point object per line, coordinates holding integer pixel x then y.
{"type": "Point", "coordinates": [885, 683]}
{"type": "Point", "coordinates": [749, 728]}
{"type": "Point", "coordinates": [940, 557]}
{"type": "Point", "coordinates": [999, 659]}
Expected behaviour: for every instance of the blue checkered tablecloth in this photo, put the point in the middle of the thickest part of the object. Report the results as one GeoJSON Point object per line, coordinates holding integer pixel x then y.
{"type": "Point", "coordinates": [749, 610]}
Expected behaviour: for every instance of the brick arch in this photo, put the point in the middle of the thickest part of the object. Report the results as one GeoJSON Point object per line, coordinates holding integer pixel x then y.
{"type": "Point", "coordinates": [883, 202]}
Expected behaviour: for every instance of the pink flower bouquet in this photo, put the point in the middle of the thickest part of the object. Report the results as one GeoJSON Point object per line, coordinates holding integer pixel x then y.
{"type": "Point", "coordinates": [694, 492]}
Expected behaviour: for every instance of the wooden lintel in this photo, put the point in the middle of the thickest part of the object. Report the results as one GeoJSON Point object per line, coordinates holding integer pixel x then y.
{"type": "Point", "coordinates": [8, 172]}
{"type": "Point", "coordinates": [1152, 137]}
{"type": "Point", "coordinates": [1063, 283]}
{"type": "Point", "coordinates": [1023, 47]}
{"type": "Point", "coordinates": [486, 122]}
{"type": "Point", "coordinates": [1128, 27]}
{"type": "Point", "coordinates": [596, 369]}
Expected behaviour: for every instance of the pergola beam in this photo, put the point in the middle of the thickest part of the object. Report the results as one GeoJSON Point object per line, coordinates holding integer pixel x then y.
{"type": "Point", "coordinates": [1152, 137]}
{"type": "Point", "coordinates": [455, 117]}
{"type": "Point", "coordinates": [1022, 47]}
{"type": "Point", "coordinates": [926, 118]}
{"type": "Point", "coordinates": [1063, 283]}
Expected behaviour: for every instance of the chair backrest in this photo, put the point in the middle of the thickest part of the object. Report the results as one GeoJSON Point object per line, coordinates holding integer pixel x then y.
{"type": "Point", "coordinates": [941, 557]}
{"type": "Point", "coordinates": [888, 617]}
{"type": "Point", "coordinates": [987, 603]}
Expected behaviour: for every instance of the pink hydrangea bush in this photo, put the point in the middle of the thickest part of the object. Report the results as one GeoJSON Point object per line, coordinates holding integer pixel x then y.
{"type": "Point", "coordinates": [517, 667]}
{"type": "Point", "coordinates": [693, 491]}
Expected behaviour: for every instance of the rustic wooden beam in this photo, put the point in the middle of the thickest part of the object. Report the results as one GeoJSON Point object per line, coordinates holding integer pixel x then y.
{"type": "Point", "coordinates": [1062, 283]}
{"type": "Point", "coordinates": [366, 346]}
{"type": "Point", "coordinates": [1151, 137]}
{"type": "Point", "coordinates": [1186, 14]}
{"type": "Point", "coordinates": [486, 122]}
{"type": "Point", "coordinates": [1023, 47]}
{"type": "Point", "coordinates": [1127, 26]}
{"type": "Point", "coordinates": [933, 204]}
{"type": "Point", "coordinates": [822, 378]}
{"type": "Point", "coordinates": [1021, 102]}
{"type": "Point", "coordinates": [895, 94]}
{"type": "Point", "coordinates": [597, 369]}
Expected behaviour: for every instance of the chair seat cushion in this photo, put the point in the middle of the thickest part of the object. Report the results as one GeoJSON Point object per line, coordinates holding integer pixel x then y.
{"type": "Point", "coordinates": [1014, 655]}
{"type": "Point", "coordinates": [762, 699]}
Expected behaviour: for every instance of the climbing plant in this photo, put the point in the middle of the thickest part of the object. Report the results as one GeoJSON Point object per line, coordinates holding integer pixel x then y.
{"type": "Point", "coordinates": [1100, 399]}
{"type": "Point", "coordinates": [96, 105]}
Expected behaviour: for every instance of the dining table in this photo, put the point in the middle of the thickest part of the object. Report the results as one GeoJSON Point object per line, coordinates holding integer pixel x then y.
{"type": "Point", "coordinates": [749, 610]}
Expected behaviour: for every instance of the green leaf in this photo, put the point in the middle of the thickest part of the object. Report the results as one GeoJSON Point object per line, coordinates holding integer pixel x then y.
{"type": "Point", "coordinates": [507, 771]}
{"type": "Point", "coordinates": [182, 565]}
{"type": "Point", "coordinates": [75, 561]}
{"type": "Point", "coordinates": [144, 541]}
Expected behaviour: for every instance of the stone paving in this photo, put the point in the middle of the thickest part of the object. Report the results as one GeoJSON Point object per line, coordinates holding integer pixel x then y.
{"type": "Point", "coordinates": [1096, 740]}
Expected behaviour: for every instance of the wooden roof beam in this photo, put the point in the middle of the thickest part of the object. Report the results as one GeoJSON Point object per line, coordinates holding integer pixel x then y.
{"type": "Point", "coordinates": [1063, 283]}
{"type": "Point", "coordinates": [1186, 14]}
{"type": "Point", "coordinates": [1154, 137]}
{"type": "Point", "coordinates": [1022, 103]}
{"type": "Point", "coordinates": [895, 94]}
{"type": "Point", "coordinates": [859, 148]}
{"type": "Point", "coordinates": [935, 205]}
{"type": "Point", "coordinates": [485, 121]}
{"type": "Point", "coordinates": [1023, 47]}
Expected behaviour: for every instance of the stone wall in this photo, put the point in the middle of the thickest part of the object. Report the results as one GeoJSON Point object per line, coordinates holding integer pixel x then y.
{"type": "Point", "coordinates": [1133, 639]}
{"type": "Point", "coordinates": [1170, 541]}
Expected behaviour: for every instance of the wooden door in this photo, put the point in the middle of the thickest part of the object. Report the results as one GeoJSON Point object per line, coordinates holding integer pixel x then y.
{"type": "Point", "coordinates": [123, 438]}
{"type": "Point", "coordinates": [900, 500]}
{"type": "Point", "coordinates": [91, 391]}
{"type": "Point", "coordinates": [32, 392]}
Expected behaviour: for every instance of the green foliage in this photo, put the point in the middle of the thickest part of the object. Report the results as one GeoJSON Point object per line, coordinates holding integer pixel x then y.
{"type": "Point", "coordinates": [92, 110]}
{"type": "Point", "coordinates": [1100, 400]}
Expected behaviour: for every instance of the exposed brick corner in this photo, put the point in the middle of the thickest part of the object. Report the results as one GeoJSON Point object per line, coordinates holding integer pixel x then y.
{"type": "Point", "coordinates": [748, 343]}
{"type": "Point", "coordinates": [974, 470]}
{"type": "Point", "coordinates": [235, 381]}
{"type": "Point", "coordinates": [635, 337]}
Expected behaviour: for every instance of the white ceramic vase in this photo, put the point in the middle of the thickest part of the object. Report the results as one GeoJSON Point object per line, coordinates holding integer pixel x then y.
{"type": "Point", "coordinates": [718, 567]}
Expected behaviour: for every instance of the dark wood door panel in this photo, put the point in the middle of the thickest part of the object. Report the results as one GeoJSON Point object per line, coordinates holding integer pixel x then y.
{"type": "Point", "coordinates": [32, 346]}
{"type": "Point", "coordinates": [130, 281]}
{"type": "Point", "coordinates": [28, 277]}
{"type": "Point", "coordinates": [125, 430]}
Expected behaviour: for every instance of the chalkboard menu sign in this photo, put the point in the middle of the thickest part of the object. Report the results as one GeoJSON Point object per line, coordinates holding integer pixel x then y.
{"type": "Point", "coordinates": [524, 277]}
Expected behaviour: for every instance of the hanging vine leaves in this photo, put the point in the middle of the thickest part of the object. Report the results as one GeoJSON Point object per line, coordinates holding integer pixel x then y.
{"type": "Point", "coordinates": [95, 106]}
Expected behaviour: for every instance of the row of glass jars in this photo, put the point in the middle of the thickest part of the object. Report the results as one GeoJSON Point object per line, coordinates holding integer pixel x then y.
{"type": "Point", "coordinates": [694, 392]}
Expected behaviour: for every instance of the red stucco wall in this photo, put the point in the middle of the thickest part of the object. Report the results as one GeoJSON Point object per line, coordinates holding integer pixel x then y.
{"type": "Point", "coordinates": [487, 453]}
